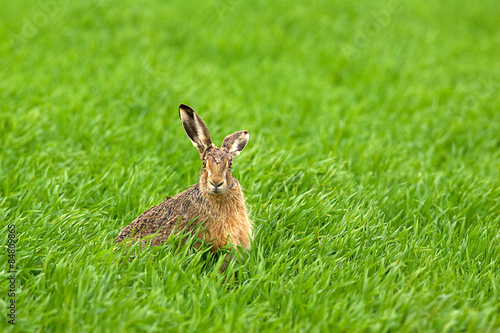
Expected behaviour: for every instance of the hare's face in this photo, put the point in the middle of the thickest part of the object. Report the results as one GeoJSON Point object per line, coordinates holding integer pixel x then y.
{"type": "Point", "coordinates": [216, 177]}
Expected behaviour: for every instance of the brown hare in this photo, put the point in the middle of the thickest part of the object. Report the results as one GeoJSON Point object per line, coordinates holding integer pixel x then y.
{"type": "Point", "coordinates": [215, 203]}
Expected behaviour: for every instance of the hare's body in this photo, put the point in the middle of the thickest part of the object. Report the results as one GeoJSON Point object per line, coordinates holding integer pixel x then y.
{"type": "Point", "coordinates": [223, 219]}
{"type": "Point", "coordinates": [214, 208]}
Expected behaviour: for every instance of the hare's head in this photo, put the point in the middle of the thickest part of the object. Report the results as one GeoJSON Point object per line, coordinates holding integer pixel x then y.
{"type": "Point", "coordinates": [216, 177]}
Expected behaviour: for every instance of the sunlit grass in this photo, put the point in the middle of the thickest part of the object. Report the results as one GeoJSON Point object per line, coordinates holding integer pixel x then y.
{"type": "Point", "coordinates": [372, 177]}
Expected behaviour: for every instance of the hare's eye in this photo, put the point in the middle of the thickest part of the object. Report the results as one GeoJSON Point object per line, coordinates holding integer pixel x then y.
{"type": "Point", "coordinates": [204, 163]}
{"type": "Point", "coordinates": [230, 163]}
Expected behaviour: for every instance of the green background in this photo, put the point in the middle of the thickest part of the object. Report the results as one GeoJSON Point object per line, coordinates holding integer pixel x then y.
{"type": "Point", "coordinates": [371, 174]}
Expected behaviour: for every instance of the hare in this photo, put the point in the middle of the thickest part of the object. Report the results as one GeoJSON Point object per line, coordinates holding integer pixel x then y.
{"type": "Point", "coordinates": [216, 203]}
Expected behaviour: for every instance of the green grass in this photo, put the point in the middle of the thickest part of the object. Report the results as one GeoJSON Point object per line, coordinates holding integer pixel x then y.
{"type": "Point", "coordinates": [372, 171]}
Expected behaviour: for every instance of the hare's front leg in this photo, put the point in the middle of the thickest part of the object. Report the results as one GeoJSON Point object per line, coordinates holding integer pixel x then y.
{"type": "Point", "coordinates": [227, 258]}
{"type": "Point", "coordinates": [235, 254]}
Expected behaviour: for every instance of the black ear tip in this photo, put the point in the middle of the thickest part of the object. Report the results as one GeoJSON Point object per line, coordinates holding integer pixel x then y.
{"type": "Point", "coordinates": [185, 108]}
{"type": "Point", "coordinates": [245, 132]}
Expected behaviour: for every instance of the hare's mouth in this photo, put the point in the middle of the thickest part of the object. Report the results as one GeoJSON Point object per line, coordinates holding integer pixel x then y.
{"type": "Point", "coordinates": [216, 189]}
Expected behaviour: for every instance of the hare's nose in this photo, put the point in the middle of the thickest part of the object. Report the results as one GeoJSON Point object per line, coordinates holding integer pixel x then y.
{"type": "Point", "coordinates": [216, 183]}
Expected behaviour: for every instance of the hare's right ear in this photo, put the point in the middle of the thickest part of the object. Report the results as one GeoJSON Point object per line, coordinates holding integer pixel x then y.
{"type": "Point", "coordinates": [195, 129]}
{"type": "Point", "coordinates": [235, 142]}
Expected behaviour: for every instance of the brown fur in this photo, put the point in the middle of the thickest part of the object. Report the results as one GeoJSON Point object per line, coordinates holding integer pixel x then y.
{"type": "Point", "coordinates": [216, 203]}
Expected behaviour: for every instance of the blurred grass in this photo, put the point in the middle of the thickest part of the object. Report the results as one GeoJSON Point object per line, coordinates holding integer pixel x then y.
{"type": "Point", "coordinates": [372, 172]}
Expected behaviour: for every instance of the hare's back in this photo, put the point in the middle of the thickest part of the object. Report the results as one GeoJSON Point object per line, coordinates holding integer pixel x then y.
{"type": "Point", "coordinates": [150, 221]}
{"type": "Point", "coordinates": [173, 212]}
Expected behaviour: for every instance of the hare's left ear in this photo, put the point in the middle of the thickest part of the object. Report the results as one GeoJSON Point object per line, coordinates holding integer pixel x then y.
{"type": "Point", "coordinates": [195, 129]}
{"type": "Point", "coordinates": [235, 142]}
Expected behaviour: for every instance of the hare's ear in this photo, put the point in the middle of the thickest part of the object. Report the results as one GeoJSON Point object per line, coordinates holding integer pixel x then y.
{"type": "Point", "coordinates": [195, 129]}
{"type": "Point", "coordinates": [235, 142]}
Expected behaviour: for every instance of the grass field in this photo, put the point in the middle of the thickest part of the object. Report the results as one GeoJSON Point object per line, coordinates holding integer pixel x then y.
{"type": "Point", "coordinates": [371, 175]}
